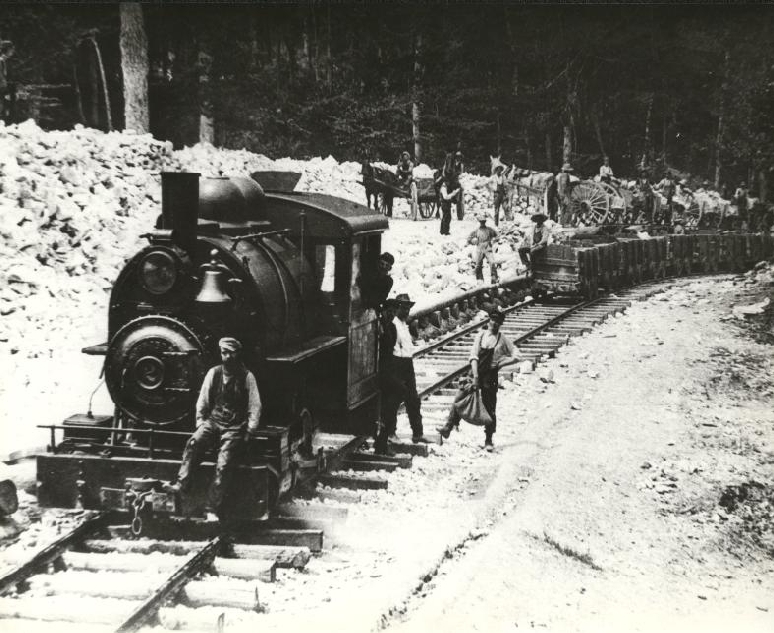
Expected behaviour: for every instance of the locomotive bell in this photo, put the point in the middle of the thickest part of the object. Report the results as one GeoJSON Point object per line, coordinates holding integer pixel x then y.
{"type": "Point", "coordinates": [213, 290]}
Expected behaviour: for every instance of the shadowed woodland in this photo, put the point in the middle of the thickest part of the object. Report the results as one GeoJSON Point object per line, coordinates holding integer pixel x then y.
{"type": "Point", "coordinates": [691, 87]}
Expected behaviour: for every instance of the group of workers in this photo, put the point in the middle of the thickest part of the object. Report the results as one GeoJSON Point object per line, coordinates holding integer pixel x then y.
{"type": "Point", "coordinates": [397, 380]}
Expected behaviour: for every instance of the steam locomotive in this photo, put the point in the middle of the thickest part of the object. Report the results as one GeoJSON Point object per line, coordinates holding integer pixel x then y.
{"type": "Point", "coordinates": [243, 257]}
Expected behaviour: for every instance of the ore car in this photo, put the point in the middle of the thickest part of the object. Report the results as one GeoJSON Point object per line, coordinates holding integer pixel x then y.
{"type": "Point", "coordinates": [276, 269]}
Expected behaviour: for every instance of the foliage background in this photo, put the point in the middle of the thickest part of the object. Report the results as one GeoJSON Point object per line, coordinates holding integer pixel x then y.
{"type": "Point", "coordinates": [512, 79]}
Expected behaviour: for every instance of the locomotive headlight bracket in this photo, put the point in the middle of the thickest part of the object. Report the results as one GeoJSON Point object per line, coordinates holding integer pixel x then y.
{"type": "Point", "coordinates": [159, 271]}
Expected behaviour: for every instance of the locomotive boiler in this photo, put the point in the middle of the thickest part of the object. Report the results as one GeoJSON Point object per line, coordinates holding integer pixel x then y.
{"type": "Point", "coordinates": [276, 269]}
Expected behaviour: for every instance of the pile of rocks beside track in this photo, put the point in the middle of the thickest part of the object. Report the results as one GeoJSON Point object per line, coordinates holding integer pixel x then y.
{"type": "Point", "coordinates": [73, 205]}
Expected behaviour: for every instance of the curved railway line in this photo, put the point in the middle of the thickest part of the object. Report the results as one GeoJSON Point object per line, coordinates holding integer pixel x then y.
{"type": "Point", "coordinates": [130, 583]}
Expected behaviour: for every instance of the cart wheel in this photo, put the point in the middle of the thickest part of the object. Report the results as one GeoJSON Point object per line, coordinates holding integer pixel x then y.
{"type": "Point", "coordinates": [692, 216]}
{"type": "Point", "coordinates": [590, 202]}
{"type": "Point", "coordinates": [426, 209]}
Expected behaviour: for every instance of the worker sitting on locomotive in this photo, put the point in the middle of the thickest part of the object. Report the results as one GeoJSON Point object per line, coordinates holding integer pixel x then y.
{"type": "Point", "coordinates": [228, 404]}
{"type": "Point", "coordinates": [536, 240]}
{"type": "Point", "coordinates": [491, 351]}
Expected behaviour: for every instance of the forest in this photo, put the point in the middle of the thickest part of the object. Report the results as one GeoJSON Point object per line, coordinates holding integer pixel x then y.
{"type": "Point", "coordinates": [686, 86]}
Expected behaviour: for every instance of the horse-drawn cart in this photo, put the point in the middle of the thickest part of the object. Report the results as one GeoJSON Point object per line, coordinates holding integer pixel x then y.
{"type": "Point", "coordinates": [384, 187]}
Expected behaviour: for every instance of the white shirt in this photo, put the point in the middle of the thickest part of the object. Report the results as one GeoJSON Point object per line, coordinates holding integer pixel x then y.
{"type": "Point", "coordinates": [404, 346]}
{"type": "Point", "coordinates": [605, 170]}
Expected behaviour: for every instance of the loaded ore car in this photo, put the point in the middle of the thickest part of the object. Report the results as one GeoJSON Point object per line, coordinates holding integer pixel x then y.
{"type": "Point", "coordinates": [274, 268]}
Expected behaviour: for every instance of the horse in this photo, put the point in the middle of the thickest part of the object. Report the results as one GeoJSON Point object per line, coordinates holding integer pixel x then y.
{"type": "Point", "coordinates": [371, 188]}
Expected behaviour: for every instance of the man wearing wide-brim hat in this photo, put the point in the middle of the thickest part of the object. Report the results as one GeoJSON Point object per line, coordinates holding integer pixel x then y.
{"type": "Point", "coordinates": [228, 406]}
{"type": "Point", "coordinates": [536, 239]}
{"type": "Point", "coordinates": [483, 237]}
{"type": "Point", "coordinates": [563, 193]}
{"type": "Point", "coordinates": [403, 385]}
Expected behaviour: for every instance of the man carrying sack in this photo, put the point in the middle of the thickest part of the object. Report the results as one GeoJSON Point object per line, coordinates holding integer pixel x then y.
{"type": "Point", "coordinates": [477, 402]}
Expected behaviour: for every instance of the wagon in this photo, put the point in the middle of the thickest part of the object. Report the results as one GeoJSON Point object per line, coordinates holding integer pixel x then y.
{"type": "Point", "coordinates": [423, 198]}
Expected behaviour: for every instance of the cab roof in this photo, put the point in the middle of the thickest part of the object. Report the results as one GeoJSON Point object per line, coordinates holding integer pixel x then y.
{"type": "Point", "coordinates": [326, 217]}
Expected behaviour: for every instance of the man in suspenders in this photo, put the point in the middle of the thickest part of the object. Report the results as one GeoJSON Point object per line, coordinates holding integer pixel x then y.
{"type": "Point", "coordinates": [228, 406]}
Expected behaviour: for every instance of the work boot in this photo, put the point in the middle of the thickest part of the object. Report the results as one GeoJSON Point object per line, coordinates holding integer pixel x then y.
{"type": "Point", "coordinates": [420, 439]}
{"type": "Point", "coordinates": [171, 487]}
{"type": "Point", "coordinates": [488, 446]}
{"type": "Point", "coordinates": [444, 430]}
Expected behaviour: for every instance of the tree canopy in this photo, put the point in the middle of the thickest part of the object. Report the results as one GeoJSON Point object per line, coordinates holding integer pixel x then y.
{"type": "Point", "coordinates": [686, 86]}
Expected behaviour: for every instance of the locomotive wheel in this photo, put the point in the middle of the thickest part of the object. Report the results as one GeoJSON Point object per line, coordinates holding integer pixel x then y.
{"type": "Point", "coordinates": [154, 368]}
{"type": "Point", "coordinates": [692, 216]}
{"type": "Point", "coordinates": [589, 203]}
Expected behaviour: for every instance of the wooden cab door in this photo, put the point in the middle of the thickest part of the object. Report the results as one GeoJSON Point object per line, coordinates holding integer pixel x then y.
{"type": "Point", "coordinates": [363, 326]}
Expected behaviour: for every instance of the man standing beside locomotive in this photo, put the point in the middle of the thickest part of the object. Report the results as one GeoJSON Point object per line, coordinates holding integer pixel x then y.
{"type": "Point", "coordinates": [405, 380]}
{"type": "Point", "coordinates": [563, 193]}
{"type": "Point", "coordinates": [228, 404]}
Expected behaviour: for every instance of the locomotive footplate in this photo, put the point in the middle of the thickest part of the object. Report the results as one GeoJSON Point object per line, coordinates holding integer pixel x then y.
{"type": "Point", "coordinates": [97, 482]}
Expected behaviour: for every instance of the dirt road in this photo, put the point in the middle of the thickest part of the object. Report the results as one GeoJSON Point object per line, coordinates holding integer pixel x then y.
{"type": "Point", "coordinates": [615, 473]}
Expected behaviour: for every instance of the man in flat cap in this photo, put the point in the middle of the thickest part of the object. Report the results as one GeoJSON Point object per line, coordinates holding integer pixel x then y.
{"type": "Point", "coordinates": [229, 404]}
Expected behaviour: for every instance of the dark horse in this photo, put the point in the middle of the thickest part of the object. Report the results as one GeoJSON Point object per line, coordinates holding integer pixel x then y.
{"type": "Point", "coordinates": [371, 187]}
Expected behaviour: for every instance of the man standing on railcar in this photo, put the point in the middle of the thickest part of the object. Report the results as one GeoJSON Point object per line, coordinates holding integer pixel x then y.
{"type": "Point", "coordinates": [405, 379]}
{"type": "Point", "coordinates": [536, 240]}
{"type": "Point", "coordinates": [229, 404]}
{"type": "Point", "coordinates": [483, 237]}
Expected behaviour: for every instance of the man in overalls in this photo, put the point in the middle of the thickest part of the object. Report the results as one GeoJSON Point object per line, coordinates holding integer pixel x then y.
{"type": "Point", "coordinates": [229, 404]}
{"type": "Point", "coordinates": [491, 350]}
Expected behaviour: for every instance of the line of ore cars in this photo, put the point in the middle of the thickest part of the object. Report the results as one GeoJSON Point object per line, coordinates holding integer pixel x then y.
{"type": "Point", "coordinates": [278, 269]}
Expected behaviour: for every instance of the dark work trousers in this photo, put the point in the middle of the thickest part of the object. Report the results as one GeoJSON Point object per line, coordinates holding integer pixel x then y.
{"type": "Point", "coordinates": [524, 254]}
{"type": "Point", "coordinates": [207, 435]}
{"type": "Point", "coordinates": [391, 389]}
{"type": "Point", "coordinates": [667, 212]}
{"type": "Point", "coordinates": [499, 201]}
{"type": "Point", "coordinates": [405, 385]}
{"type": "Point", "coordinates": [445, 216]}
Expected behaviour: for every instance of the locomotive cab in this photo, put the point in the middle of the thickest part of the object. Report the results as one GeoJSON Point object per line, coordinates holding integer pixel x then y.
{"type": "Point", "coordinates": [341, 239]}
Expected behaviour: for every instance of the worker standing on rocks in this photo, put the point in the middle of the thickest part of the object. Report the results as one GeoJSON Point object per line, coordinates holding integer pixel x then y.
{"type": "Point", "coordinates": [483, 237]}
{"type": "Point", "coordinates": [491, 351]}
{"type": "Point", "coordinates": [498, 186]}
{"type": "Point", "coordinates": [447, 194]}
{"type": "Point", "coordinates": [563, 193]}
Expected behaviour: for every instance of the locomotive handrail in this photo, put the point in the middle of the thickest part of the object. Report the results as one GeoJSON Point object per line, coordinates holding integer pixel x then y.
{"type": "Point", "coordinates": [249, 236]}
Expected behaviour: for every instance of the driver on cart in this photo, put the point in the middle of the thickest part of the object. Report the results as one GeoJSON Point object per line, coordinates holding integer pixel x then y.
{"type": "Point", "coordinates": [404, 174]}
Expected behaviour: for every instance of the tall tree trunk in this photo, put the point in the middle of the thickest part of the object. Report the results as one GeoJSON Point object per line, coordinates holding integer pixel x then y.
{"type": "Point", "coordinates": [206, 118]}
{"type": "Point", "coordinates": [92, 87]}
{"type": "Point", "coordinates": [328, 53]}
{"type": "Point", "coordinates": [598, 130]}
{"type": "Point", "coordinates": [255, 47]}
{"type": "Point", "coordinates": [134, 66]}
{"type": "Point", "coordinates": [721, 113]}
{"type": "Point", "coordinates": [315, 46]}
{"type": "Point", "coordinates": [549, 155]}
{"type": "Point", "coordinates": [567, 143]}
{"type": "Point", "coordinates": [78, 98]}
{"type": "Point", "coordinates": [105, 95]}
{"type": "Point", "coordinates": [646, 152]}
{"type": "Point", "coordinates": [416, 96]}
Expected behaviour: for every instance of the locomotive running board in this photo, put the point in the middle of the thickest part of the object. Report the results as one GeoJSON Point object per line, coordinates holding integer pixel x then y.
{"type": "Point", "coordinates": [72, 481]}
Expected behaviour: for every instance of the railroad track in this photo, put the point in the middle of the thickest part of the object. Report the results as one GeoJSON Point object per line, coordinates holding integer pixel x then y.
{"type": "Point", "coordinates": [95, 577]}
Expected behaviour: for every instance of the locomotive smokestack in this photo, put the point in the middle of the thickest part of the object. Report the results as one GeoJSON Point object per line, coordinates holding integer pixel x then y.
{"type": "Point", "coordinates": [180, 206]}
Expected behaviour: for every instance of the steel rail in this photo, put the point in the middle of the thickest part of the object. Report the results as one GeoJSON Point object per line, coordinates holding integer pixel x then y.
{"type": "Point", "coordinates": [195, 564]}
{"type": "Point", "coordinates": [52, 551]}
